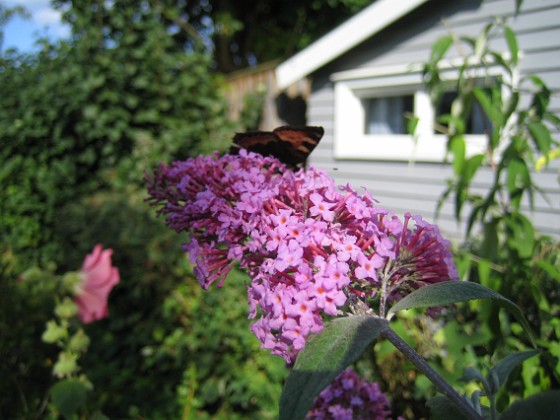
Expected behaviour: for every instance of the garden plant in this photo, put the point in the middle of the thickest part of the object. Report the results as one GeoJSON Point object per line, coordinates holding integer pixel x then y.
{"type": "Point", "coordinates": [298, 298]}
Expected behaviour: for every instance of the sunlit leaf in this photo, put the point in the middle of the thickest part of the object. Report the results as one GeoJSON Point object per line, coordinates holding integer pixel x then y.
{"type": "Point", "coordinates": [481, 41]}
{"type": "Point", "coordinates": [541, 136]}
{"type": "Point", "coordinates": [458, 149]}
{"type": "Point", "coordinates": [440, 47]}
{"type": "Point", "coordinates": [512, 44]}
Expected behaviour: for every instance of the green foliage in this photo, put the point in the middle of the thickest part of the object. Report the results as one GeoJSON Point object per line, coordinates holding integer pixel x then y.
{"type": "Point", "coordinates": [25, 361]}
{"type": "Point", "coordinates": [344, 339]}
{"type": "Point", "coordinates": [243, 30]}
{"type": "Point", "coordinates": [176, 349]}
{"type": "Point", "coordinates": [80, 121]}
{"type": "Point", "coordinates": [503, 250]}
{"type": "Point", "coordinates": [251, 114]}
{"type": "Point", "coordinates": [79, 116]}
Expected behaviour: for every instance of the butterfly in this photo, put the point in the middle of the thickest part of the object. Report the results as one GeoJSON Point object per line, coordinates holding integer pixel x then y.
{"type": "Point", "coordinates": [289, 144]}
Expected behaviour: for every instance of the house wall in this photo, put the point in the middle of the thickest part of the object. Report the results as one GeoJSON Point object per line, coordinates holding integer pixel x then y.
{"type": "Point", "coordinates": [416, 186]}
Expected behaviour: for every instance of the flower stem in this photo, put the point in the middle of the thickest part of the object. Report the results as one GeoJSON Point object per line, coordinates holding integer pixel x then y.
{"type": "Point", "coordinates": [461, 403]}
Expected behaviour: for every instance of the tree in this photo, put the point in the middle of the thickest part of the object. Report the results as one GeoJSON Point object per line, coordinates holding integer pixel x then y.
{"type": "Point", "coordinates": [118, 97]}
{"type": "Point", "coordinates": [239, 34]}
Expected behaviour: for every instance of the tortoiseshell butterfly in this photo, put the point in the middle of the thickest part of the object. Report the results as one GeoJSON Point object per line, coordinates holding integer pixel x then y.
{"type": "Point", "coordinates": [289, 144]}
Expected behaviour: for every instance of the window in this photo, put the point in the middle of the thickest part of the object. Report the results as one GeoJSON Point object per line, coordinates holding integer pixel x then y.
{"type": "Point", "coordinates": [372, 110]}
{"type": "Point", "coordinates": [387, 115]}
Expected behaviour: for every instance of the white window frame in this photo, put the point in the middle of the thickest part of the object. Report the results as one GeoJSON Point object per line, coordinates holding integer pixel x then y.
{"type": "Point", "coordinates": [350, 140]}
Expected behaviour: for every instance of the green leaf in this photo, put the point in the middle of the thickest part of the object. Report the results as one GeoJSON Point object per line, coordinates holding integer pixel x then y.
{"type": "Point", "coordinates": [504, 367]}
{"type": "Point", "coordinates": [490, 243]}
{"type": "Point", "coordinates": [518, 4]}
{"type": "Point", "coordinates": [512, 44]}
{"type": "Point", "coordinates": [440, 47]}
{"type": "Point", "coordinates": [550, 269]}
{"type": "Point", "coordinates": [510, 105]}
{"type": "Point", "coordinates": [412, 124]}
{"type": "Point", "coordinates": [542, 406]}
{"type": "Point", "coordinates": [471, 166]}
{"type": "Point", "coordinates": [518, 175]}
{"type": "Point", "coordinates": [442, 408]}
{"type": "Point", "coordinates": [541, 136]}
{"type": "Point", "coordinates": [458, 149]}
{"type": "Point", "coordinates": [453, 291]}
{"type": "Point", "coordinates": [544, 160]}
{"type": "Point", "coordinates": [480, 46]}
{"type": "Point", "coordinates": [467, 174]}
{"type": "Point", "coordinates": [485, 101]}
{"type": "Point", "coordinates": [68, 396]}
{"type": "Point", "coordinates": [324, 357]}
{"type": "Point", "coordinates": [472, 374]}
{"type": "Point", "coordinates": [521, 235]}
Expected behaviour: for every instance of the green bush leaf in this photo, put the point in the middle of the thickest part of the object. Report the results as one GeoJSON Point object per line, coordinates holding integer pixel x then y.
{"type": "Point", "coordinates": [448, 292]}
{"type": "Point", "coordinates": [542, 406]}
{"type": "Point", "coordinates": [68, 396]}
{"type": "Point", "coordinates": [504, 367]}
{"type": "Point", "coordinates": [324, 357]}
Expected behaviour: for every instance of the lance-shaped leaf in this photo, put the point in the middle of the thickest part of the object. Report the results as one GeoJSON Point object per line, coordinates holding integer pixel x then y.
{"type": "Point", "coordinates": [324, 357]}
{"type": "Point", "coordinates": [449, 292]}
{"type": "Point", "coordinates": [504, 367]}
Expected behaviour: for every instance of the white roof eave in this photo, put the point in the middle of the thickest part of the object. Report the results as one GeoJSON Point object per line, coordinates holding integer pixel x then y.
{"type": "Point", "coordinates": [361, 26]}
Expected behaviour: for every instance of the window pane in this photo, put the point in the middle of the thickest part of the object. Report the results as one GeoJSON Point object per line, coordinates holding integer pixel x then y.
{"type": "Point", "coordinates": [387, 115]}
{"type": "Point", "coordinates": [477, 123]}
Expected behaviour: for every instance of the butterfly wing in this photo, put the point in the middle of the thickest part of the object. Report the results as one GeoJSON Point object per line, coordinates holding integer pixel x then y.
{"type": "Point", "coordinates": [301, 140]}
{"type": "Point", "coordinates": [290, 145]}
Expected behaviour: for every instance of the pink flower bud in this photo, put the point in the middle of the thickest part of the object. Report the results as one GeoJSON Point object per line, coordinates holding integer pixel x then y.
{"type": "Point", "coordinates": [99, 277]}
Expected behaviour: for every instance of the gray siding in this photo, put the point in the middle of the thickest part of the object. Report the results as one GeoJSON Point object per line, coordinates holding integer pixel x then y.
{"type": "Point", "coordinates": [416, 186]}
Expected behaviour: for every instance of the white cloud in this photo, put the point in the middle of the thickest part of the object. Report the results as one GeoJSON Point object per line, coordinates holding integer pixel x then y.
{"type": "Point", "coordinates": [46, 17]}
{"type": "Point", "coordinates": [41, 11]}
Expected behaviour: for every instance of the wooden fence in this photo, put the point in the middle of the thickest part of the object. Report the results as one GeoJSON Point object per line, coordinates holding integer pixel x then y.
{"type": "Point", "coordinates": [280, 107]}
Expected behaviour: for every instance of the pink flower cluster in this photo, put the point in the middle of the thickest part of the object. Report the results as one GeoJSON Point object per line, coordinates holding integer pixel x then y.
{"type": "Point", "coordinates": [306, 245]}
{"type": "Point", "coordinates": [350, 397]}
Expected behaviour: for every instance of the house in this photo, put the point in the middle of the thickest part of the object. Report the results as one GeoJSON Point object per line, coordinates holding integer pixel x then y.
{"type": "Point", "coordinates": [366, 72]}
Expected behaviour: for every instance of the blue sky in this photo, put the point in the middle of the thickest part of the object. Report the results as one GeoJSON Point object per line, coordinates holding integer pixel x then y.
{"type": "Point", "coordinates": [44, 21]}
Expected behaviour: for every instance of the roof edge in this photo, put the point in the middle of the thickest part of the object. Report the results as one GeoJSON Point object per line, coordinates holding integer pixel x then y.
{"type": "Point", "coordinates": [342, 38]}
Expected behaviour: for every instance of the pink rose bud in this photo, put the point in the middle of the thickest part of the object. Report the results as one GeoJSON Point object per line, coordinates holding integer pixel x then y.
{"type": "Point", "coordinates": [99, 277]}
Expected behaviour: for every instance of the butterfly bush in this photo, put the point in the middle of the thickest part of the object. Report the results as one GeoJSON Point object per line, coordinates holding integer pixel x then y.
{"type": "Point", "coordinates": [312, 250]}
{"type": "Point", "coordinates": [350, 397]}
